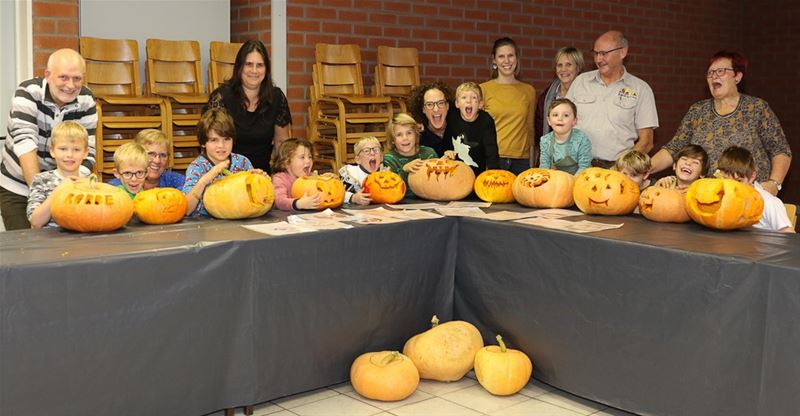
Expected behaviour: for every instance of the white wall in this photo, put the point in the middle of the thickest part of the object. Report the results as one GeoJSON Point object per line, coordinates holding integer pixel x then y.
{"type": "Point", "coordinates": [201, 20]}
{"type": "Point", "coordinates": [8, 80]}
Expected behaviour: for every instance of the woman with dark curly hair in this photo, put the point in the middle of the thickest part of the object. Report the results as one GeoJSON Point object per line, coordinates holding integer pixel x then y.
{"type": "Point", "coordinates": [429, 104]}
{"type": "Point", "coordinates": [259, 109]}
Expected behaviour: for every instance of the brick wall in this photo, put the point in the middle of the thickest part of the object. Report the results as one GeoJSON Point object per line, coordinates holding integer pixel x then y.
{"type": "Point", "coordinates": [55, 26]}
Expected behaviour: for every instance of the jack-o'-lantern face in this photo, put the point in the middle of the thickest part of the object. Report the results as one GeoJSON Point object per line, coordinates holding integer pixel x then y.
{"type": "Point", "coordinates": [605, 192]}
{"type": "Point", "coordinates": [88, 206]}
{"type": "Point", "coordinates": [241, 195]}
{"type": "Point", "coordinates": [723, 204]}
{"type": "Point", "coordinates": [385, 187]}
{"type": "Point", "coordinates": [494, 185]}
{"type": "Point", "coordinates": [663, 205]}
{"type": "Point", "coordinates": [442, 180]}
{"type": "Point", "coordinates": [544, 188]}
{"type": "Point", "coordinates": [328, 186]}
{"type": "Point", "coordinates": [160, 206]}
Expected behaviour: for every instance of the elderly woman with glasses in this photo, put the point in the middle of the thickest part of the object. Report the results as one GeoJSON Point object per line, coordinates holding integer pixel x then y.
{"type": "Point", "coordinates": [731, 118]}
{"type": "Point", "coordinates": [157, 146]}
{"type": "Point", "coordinates": [429, 104]}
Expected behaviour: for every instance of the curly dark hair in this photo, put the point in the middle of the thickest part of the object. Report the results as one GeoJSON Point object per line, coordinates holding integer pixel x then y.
{"type": "Point", "coordinates": [415, 101]}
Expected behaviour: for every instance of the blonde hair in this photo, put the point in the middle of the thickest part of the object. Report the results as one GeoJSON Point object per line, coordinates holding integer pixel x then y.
{"type": "Point", "coordinates": [401, 119]}
{"type": "Point", "coordinates": [633, 160]}
{"type": "Point", "coordinates": [469, 86]}
{"type": "Point", "coordinates": [366, 142]}
{"type": "Point", "coordinates": [153, 136]}
{"type": "Point", "coordinates": [282, 157]}
{"type": "Point", "coordinates": [71, 130]}
{"type": "Point", "coordinates": [131, 153]}
{"type": "Point", "coordinates": [574, 54]}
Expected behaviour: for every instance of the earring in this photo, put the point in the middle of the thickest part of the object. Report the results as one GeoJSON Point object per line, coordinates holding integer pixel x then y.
{"type": "Point", "coordinates": [494, 67]}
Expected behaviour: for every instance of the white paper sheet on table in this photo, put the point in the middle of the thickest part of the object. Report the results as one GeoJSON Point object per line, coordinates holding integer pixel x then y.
{"type": "Point", "coordinates": [462, 212]}
{"type": "Point", "coordinates": [573, 226]}
{"type": "Point", "coordinates": [509, 215]}
{"type": "Point", "coordinates": [327, 214]}
{"type": "Point", "coordinates": [317, 223]}
{"type": "Point", "coordinates": [415, 214]}
{"type": "Point", "coordinates": [416, 205]}
{"type": "Point", "coordinates": [278, 228]}
{"type": "Point", "coordinates": [556, 213]}
{"type": "Point", "coordinates": [468, 204]}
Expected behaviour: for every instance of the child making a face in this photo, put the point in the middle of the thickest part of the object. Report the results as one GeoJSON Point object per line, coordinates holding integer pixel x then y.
{"type": "Point", "coordinates": [369, 159]}
{"type": "Point", "coordinates": [691, 164]}
{"type": "Point", "coordinates": [565, 148]}
{"type": "Point", "coordinates": [215, 133]}
{"type": "Point", "coordinates": [472, 133]}
{"type": "Point", "coordinates": [69, 146]}
{"type": "Point", "coordinates": [405, 154]}
{"type": "Point", "coordinates": [635, 165]}
{"type": "Point", "coordinates": [291, 161]}
{"type": "Point", "coordinates": [130, 167]}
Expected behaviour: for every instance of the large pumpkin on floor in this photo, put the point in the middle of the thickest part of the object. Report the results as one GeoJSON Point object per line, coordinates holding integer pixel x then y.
{"type": "Point", "coordinates": [723, 204]}
{"type": "Point", "coordinates": [605, 192]}
{"type": "Point", "coordinates": [160, 206]}
{"type": "Point", "coordinates": [663, 205]}
{"type": "Point", "coordinates": [240, 195]}
{"type": "Point", "coordinates": [385, 187]}
{"type": "Point", "coordinates": [494, 185]}
{"type": "Point", "coordinates": [90, 206]}
{"type": "Point", "coordinates": [442, 180]}
{"type": "Point", "coordinates": [445, 352]}
{"type": "Point", "coordinates": [502, 371]}
{"type": "Point", "coordinates": [328, 185]}
{"type": "Point", "coordinates": [544, 188]}
{"type": "Point", "coordinates": [387, 376]}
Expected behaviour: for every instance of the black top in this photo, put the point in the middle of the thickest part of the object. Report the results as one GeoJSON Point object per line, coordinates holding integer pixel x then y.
{"type": "Point", "coordinates": [479, 137]}
{"type": "Point", "coordinates": [437, 143]}
{"type": "Point", "coordinates": [254, 129]}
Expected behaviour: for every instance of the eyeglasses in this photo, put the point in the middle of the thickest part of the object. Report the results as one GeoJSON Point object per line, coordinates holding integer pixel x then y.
{"type": "Point", "coordinates": [603, 54]}
{"type": "Point", "coordinates": [371, 150]}
{"type": "Point", "coordinates": [139, 174]}
{"type": "Point", "coordinates": [719, 72]}
{"type": "Point", "coordinates": [153, 155]}
{"type": "Point", "coordinates": [438, 104]}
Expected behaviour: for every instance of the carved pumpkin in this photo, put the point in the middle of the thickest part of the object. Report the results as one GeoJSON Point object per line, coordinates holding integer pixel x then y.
{"type": "Point", "coordinates": [160, 206]}
{"type": "Point", "coordinates": [328, 185]}
{"type": "Point", "coordinates": [387, 376]}
{"type": "Point", "coordinates": [663, 205]}
{"type": "Point", "coordinates": [89, 206]}
{"type": "Point", "coordinates": [445, 352]}
{"type": "Point", "coordinates": [605, 192]}
{"type": "Point", "coordinates": [544, 188]}
{"type": "Point", "coordinates": [385, 187]}
{"type": "Point", "coordinates": [502, 371]}
{"type": "Point", "coordinates": [723, 204]}
{"type": "Point", "coordinates": [240, 195]}
{"type": "Point", "coordinates": [442, 180]}
{"type": "Point", "coordinates": [494, 185]}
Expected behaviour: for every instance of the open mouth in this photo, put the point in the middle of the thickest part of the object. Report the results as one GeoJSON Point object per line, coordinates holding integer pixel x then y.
{"type": "Point", "coordinates": [307, 170]}
{"type": "Point", "coordinates": [373, 165]}
{"type": "Point", "coordinates": [469, 111]}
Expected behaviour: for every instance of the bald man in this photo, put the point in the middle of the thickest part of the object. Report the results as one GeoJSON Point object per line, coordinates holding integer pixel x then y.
{"type": "Point", "coordinates": [38, 105]}
{"type": "Point", "coordinates": [615, 109]}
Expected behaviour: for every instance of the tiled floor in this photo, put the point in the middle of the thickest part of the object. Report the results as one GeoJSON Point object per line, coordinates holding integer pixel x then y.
{"type": "Point", "coordinates": [461, 398]}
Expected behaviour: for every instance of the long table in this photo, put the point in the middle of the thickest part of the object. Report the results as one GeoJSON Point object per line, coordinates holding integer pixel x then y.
{"type": "Point", "coordinates": [661, 319]}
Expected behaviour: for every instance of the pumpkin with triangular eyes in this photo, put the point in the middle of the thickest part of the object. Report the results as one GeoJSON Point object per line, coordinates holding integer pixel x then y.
{"type": "Point", "coordinates": [86, 205]}
{"type": "Point", "coordinates": [494, 185]}
{"type": "Point", "coordinates": [160, 206]}
{"type": "Point", "coordinates": [327, 185]}
{"type": "Point", "coordinates": [605, 192]}
{"type": "Point", "coordinates": [442, 180]}
{"type": "Point", "coordinates": [723, 204]}
{"type": "Point", "coordinates": [544, 188]}
{"type": "Point", "coordinates": [663, 205]}
{"type": "Point", "coordinates": [384, 187]}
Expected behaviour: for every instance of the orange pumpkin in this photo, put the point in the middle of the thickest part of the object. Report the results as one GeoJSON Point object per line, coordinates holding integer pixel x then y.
{"type": "Point", "coordinates": [385, 187]}
{"type": "Point", "coordinates": [502, 371]}
{"type": "Point", "coordinates": [442, 180]}
{"type": "Point", "coordinates": [89, 206]}
{"type": "Point", "coordinates": [160, 206]}
{"type": "Point", "coordinates": [387, 376]}
{"type": "Point", "coordinates": [723, 204]}
{"type": "Point", "coordinates": [663, 205]}
{"type": "Point", "coordinates": [544, 188]}
{"type": "Point", "coordinates": [328, 185]}
{"type": "Point", "coordinates": [494, 185]}
{"type": "Point", "coordinates": [605, 192]}
{"type": "Point", "coordinates": [240, 195]}
{"type": "Point", "coordinates": [445, 352]}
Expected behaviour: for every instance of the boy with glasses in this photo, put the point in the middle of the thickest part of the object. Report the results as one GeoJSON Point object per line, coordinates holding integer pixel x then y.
{"type": "Point", "coordinates": [369, 159]}
{"type": "Point", "coordinates": [130, 167]}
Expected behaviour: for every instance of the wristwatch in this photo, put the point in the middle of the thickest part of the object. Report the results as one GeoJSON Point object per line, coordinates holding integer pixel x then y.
{"type": "Point", "coordinates": [777, 184]}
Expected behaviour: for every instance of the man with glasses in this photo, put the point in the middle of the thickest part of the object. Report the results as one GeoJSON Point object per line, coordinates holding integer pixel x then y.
{"type": "Point", "coordinates": [38, 105]}
{"type": "Point", "coordinates": [615, 109]}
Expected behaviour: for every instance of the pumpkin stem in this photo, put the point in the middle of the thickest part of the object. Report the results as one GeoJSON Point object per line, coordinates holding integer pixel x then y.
{"type": "Point", "coordinates": [501, 343]}
{"type": "Point", "coordinates": [93, 181]}
{"type": "Point", "coordinates": [226, 172]}
{"type": "Point", "coordinates": [434, 321]}
{"type": "Point", "coordinates": [394, 355]}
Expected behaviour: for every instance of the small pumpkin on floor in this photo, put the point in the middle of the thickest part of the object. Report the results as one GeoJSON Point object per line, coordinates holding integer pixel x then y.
{"type": "Point", "coordinates": [386, 376]}
{"type": "Point", "coordinates": [445, 352]}
{"type": "Point", "coordinates": [502, 371]}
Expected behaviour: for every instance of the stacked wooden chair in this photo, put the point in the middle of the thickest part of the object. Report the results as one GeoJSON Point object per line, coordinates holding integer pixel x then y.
{"type": "Point", "coordinates": [222, 56]}
{"type": "Point", "coordinates": [112, 73]}
{"type": "Point", "coordinates": [396, 74]}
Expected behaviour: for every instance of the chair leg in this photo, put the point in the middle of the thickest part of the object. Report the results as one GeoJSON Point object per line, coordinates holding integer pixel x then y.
{"type": "Point", "coordinates": [230, 411]}
{"type": "Point", "coordinates": [248, 410]}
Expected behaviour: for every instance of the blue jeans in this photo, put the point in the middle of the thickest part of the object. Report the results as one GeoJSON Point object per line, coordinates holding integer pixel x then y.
{"type": "Point", "coordinates": [514, 165]}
